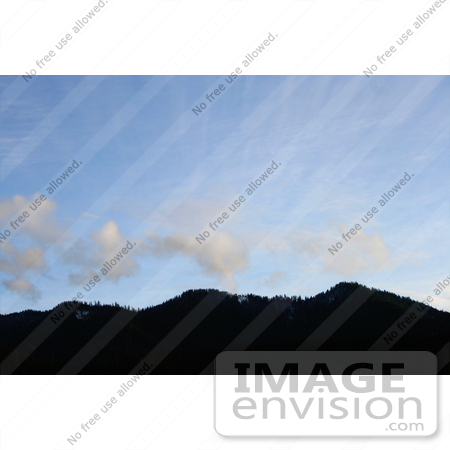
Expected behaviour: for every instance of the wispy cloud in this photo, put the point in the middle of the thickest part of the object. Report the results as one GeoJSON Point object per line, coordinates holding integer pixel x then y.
{"type": "Point", "coordinates": [89, 214]}
{"type": "Point", "coordinates": [276, 278]}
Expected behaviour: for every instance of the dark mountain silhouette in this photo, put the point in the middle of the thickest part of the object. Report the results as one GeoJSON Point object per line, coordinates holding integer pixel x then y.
{"type": "Point", "coordinates": [218, 318]}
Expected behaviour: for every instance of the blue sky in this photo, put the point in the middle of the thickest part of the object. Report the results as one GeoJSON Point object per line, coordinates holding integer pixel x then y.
{"type": "Point", "coordinates": [154, 173]}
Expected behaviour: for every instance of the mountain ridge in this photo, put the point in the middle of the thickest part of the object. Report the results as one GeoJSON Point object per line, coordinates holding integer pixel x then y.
{"type": "Point", "coordinates": [290, 320]}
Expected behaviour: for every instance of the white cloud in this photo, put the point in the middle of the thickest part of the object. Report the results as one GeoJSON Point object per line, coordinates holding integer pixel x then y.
{"type": "Point", "coordinates": [14, 263]}
{"type": "Point", "coordinates": [41, 226]}
{"type": "Point", "coordinates": [109, 241]}
{"type": "Point", "coordinates": [23, 288]}
{"type": "Point", "coordinates": [221, 256]}
{"type": "Point", "coordinates": [102, 246]}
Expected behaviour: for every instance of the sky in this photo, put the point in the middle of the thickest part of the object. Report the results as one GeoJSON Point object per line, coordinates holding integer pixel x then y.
{"type": "Point", "coordinates": [147, 170]}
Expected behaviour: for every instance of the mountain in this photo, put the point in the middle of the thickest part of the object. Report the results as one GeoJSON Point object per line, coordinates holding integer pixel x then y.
{"type": "Point", "coordinates": [183, 335]}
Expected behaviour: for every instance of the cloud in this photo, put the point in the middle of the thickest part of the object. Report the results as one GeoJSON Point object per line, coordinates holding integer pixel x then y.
{"type": "Point", "coordinates": [102, 246]}
{"type": "Point", "coordinates": [81, 254]}
{"type": "Point", "coordinates": [363, 252]}
{"type": "Point", "coordinates": [222, 256]}
{"type": "Point", "coordinates": [23, 288]}
{"type": "Point", "coordinates": [276, 278]}
{"type": "Point", "coordinates": [110, 241]}
{"type": "Point", "coordinates": [14, 262]}
{"type": "Point", "coordinates": [82, 277]}
{"type": "Point", "coordinates": [41, 226]}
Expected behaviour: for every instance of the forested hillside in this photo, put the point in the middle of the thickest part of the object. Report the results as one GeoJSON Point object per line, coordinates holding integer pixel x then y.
{"type": "Point", "coordinates": [212, 321]}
